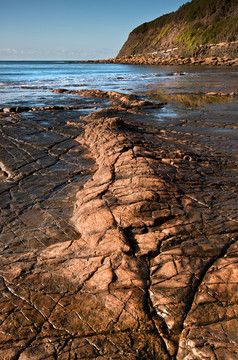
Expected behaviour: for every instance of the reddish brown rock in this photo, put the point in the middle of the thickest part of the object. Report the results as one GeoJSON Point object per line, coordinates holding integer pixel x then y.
{"type": "Point", "coordinates": [150, 272]}
{"type": "Point", "coordinates": [172, 60]}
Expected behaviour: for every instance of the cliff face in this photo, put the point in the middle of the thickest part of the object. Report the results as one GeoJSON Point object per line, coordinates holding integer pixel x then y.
{"type": "Point", "coordinates": [193, 29]}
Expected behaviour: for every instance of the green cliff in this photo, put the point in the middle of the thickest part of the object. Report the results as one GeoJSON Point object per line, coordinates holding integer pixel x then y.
{"type": "Point", "coordinates": [200, 27]}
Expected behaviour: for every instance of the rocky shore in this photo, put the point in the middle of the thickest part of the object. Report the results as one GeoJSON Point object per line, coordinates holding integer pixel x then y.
{"type": "Point", "coordinates": [171, 60]}
{"type": "Point", "coordinates": [118, 232]}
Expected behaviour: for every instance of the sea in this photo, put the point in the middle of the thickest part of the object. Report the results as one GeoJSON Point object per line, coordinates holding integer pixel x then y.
{"type": "Point", "coordinates": [30, 83]}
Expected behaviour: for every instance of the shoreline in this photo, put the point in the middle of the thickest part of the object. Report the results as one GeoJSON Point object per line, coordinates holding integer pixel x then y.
{"type": "Point", "coordinates": [176, 60]}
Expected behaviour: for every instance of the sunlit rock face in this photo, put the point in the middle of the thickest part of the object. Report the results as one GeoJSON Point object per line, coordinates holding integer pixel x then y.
{"type": "Point", "coordinates": [127, 249]}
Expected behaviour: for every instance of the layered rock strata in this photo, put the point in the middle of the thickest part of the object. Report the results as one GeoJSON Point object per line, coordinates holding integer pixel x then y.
{"type": "Point", "coordinates": [157, 241]}
{"type": "Point", "coordinates": [150, 272]}
{"type": "Point", "coordinates": [120, 100]}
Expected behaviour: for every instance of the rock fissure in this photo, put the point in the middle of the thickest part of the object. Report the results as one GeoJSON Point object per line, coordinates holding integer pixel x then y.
{"type": "Point", "coordinates": [157, 222]}
{"type": "Point", "coordinates": [149, 271]}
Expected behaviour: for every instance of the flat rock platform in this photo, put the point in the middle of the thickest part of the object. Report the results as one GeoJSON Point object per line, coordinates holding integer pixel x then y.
{"type": "Point", "coordinates": [118, 232]}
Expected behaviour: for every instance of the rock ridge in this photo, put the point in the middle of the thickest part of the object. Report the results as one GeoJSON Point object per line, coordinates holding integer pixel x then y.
{"type": "Point", "coordinates": [150, 272]}
{"type": "Point", "coordinates": [136, 208]}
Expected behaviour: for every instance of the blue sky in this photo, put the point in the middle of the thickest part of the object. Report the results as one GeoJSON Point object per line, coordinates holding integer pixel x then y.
{"type": "Point", "coordinates": [73, 29]}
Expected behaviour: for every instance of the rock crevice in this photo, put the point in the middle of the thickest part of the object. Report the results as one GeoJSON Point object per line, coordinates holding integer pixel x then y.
{"type": "Point", "coordinates": [145, 211]}
{"type": "Point", "coordinates": [149, 273]}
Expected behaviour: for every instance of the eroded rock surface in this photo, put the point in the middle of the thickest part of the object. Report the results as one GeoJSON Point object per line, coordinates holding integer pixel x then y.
{"type": "Point", "coordinates": [145, 267]}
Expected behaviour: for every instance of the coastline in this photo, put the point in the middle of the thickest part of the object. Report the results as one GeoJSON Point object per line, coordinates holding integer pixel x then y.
{"type": "Point", "coordinates": [176, 60]}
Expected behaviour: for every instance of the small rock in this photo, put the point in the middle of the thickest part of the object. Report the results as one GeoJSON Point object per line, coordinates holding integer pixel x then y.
{"type": "Point", "coordinates": [7, 110]}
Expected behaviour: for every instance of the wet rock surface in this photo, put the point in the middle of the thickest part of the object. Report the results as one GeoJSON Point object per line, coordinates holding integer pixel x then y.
{"type": "Point", "coordinates": [118, 235]}
{"type": "Point", "coordinates": [120, 100]}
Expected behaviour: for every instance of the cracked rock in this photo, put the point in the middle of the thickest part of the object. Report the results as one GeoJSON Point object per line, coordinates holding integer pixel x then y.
{"type": "Point", "coordinates": [107, 250]}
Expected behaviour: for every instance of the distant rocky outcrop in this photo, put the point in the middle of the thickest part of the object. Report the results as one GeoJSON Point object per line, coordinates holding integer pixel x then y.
{"type": "Point", "coordinates": [153, 59]}
{"type": "Point", "coordinates": [200, 28]}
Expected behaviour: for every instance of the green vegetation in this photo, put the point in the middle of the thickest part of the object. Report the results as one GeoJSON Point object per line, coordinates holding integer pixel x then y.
{"type": "Point", "coordinates": [161, 34]}
{"type": "Point", "coordinates": [187, 100]}
{"type": "Point", "coordinates": [198, 9]}
{"type": "Point", "coordinates": [199, 22]}
{"type": "Point", "coordinates": [191, 36]}
{"type": "Point", "coordinates": [201, 34]}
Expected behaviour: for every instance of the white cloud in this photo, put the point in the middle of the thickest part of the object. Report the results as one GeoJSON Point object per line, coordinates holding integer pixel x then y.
{"type": "Point", "coordinates": [54, 54]}
{"type": "Point", "coordinates": [10, 51]}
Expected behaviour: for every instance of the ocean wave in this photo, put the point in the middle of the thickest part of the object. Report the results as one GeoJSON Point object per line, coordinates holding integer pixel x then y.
{"type": "Point", "coordinates": [31, 87]}
{"type": "Point", "coordinates": [13, 74]}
